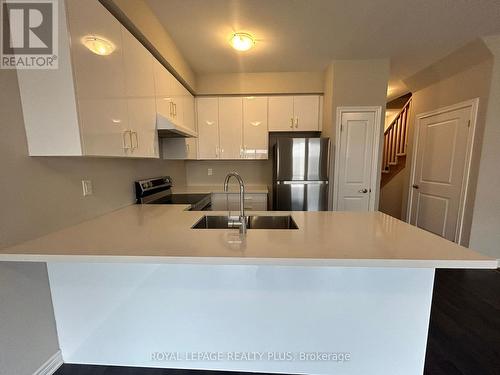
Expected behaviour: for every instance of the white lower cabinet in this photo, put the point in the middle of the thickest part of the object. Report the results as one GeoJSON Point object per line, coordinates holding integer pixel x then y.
{"type": "Point", "coordinates": [231, 201]}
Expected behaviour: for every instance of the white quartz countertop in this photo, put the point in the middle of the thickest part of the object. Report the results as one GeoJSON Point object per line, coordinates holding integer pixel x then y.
{"type": "Point", "coordinates": [233, 188]}
{"type": "Point", "coordinates": [163, 234]}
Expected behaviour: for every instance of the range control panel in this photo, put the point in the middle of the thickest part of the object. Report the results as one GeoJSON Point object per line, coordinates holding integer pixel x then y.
{"type": "Point", "coordinates": [151, 185]}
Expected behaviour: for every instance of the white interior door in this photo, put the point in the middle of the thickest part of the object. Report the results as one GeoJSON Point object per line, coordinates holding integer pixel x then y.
{"type": "Point", "coordinates": [355, 160]}
{"type": "Point", "coordinates": [440, 160]}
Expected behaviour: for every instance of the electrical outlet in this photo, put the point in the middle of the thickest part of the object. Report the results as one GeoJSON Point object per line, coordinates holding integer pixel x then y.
{"type": "Point", "coordinates": [210, 171]}
{"type": "Point", "coordinates": [87, 187]}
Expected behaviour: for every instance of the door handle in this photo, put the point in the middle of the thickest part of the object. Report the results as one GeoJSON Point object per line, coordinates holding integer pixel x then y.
{"type": "Point", "coordinates": [416, 186]}
{"type": "Point", "coordinates": [363, 191]}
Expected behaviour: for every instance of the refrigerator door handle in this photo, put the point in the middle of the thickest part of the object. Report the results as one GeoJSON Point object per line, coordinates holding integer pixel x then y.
{"type": "Point", "coordinates": [301, 182]}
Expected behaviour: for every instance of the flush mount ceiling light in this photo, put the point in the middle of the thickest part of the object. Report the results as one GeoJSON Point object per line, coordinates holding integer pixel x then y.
{"type": "Point", "coordinates": [99, 46]}
{"type": "Point", "coordinates": [242, 41]}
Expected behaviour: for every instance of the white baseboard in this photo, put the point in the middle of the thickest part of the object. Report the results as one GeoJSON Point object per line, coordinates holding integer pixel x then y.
{"type": "Point", "coordinates": [51, 365]}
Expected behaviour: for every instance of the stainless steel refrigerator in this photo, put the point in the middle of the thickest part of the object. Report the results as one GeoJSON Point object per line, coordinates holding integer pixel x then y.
{"type": "Point", "coordinates": [300, 176]}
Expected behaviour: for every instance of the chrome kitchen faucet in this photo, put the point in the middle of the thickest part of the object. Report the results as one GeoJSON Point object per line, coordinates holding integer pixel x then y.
{"type": "Point", "coordinates": [242, 219]}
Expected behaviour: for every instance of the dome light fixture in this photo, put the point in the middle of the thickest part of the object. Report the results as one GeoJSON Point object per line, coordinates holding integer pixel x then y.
{"type": "Point", "coordinates": [99, 46]}
{"type": "Point", "coordinates": [242, 41]}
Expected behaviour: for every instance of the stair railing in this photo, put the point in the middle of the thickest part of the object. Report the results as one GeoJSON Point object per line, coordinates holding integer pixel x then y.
{"type": "Point", "coordinates": [395, 138]}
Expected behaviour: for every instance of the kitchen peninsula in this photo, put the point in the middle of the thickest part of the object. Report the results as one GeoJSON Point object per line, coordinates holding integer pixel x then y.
{"type": "Point", "coordinates": [139, 281]}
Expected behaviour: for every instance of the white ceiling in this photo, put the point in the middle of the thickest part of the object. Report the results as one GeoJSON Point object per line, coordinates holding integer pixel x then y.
{"type": "Point", "coordinates": [305, 35]}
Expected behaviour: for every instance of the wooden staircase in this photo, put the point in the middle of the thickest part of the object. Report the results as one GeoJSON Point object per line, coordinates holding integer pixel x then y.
{"type": "Point", "coordinates": [395, 142]}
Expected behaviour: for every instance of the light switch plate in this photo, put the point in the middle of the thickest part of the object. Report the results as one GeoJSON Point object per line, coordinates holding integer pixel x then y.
{"type": "Point", "coordinates": [87, 187]}
{"type": "Point", "coordinates": [210, 171]}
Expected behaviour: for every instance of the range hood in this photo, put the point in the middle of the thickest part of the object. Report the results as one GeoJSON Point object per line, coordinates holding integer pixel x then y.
{"type": "Point", "coordinates": [168, 129]}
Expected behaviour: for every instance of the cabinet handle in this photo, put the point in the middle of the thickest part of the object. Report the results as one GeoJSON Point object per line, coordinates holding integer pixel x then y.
{"type": "Point", "coordinates": [216, 151]}
{"type": "Point", "coordinates": [136, 140]}
{"type": "Point", "coordinates": [291, 122]}
{"type": "Point", "coordinates": [210, 122]}
{"type": "Point", "coordinates": [124, 138]}
{"type": "Point", "coordinates": [255, 123]}
{"type": "Point", "coordinates": [175, 110]}
{"type": "Point", "coordinates": [296, 122]}
{"type": "Point", "coordinates": [170, 108]}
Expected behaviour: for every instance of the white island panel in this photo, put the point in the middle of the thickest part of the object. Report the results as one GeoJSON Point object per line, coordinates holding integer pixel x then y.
{"type": "Point", "coordinates": [122, 314]}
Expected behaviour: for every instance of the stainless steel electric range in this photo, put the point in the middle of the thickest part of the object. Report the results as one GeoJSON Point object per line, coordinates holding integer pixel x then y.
{"type": "Point", "coordinates": [158, 190]}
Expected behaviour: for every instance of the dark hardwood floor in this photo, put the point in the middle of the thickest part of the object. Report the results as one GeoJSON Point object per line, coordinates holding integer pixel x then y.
{"type": "Point", "coordinates": [464, 333]}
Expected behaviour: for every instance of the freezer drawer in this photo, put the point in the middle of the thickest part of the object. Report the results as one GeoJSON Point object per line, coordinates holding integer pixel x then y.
{"type": "Point", "coordinates": [300, 196]}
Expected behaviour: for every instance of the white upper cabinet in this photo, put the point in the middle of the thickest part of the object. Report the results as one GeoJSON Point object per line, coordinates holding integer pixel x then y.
{"type": "Point", "coordinates": [294, 113]}
{"type": "Point", "coordinates": [138, 63]}
{"type": "Point", "coordinates": [93, 104]}
{"type": "Point", "coordinates": [140, 95]}
{"type": "Point", "coordinates": [255, 133]}
{"type": "Point", "coordinates": [281, 113]}
{"type": "Point", "coordinates": [208, 128]}
{"type": "Point", "coordinates": [306, 112]}
{"type": "Point", "coordinates": [96, 76]}
{"type": "Point", "coordinates": [230, 128]}
{"type": "Point", "coordinates": [164, 86]}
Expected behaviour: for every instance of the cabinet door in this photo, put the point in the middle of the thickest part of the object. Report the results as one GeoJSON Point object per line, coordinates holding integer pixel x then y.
{"type": "Point", "coordinates": [142, 120]}
{"type": "Point", "coordinates": [280, 113]}
{"type": "Point", "coordinates": [306, 112]}
{"type": "Point", "coordinates": [255, 134]}
{"type": "Point", "coordinates": [96, 76]}
{"type": "Point", "coordinates": [231, 128]}
{"type": "Point", "coordinates": [138, 63]}
{"type": "Point", "coordinates": [208, 127]}
{"type": "Point", "coordinates": [164, 82]}
{"type": "Point", "coordinates": [188, 108]}
{"type": "Point", "coordinates": [178, 96]}
{"type": "Point", "coordinates": [179, 148]}
{"type": "Point", "coordinates": [231, 202]}
{"type": "Point", "coordinates": [99, 80]}
{"type": "Point", "coordinates": [104, 127]}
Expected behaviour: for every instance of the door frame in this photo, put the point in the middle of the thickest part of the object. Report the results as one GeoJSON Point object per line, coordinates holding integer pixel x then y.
{"type": "Point", "coordinates": [376, 154]}
{"type": "Point", "coordinates": [474, 105]}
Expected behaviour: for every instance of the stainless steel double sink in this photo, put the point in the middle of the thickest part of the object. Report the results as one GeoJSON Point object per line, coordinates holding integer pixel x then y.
{"type": "Point", "coordinates": [252, 222]}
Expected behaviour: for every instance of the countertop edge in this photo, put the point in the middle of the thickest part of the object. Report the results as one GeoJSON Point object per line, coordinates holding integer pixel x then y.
{"type": "Point", "coordinates": [223, 261]}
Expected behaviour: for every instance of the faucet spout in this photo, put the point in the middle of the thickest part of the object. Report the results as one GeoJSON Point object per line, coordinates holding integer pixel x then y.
{"type": "Point", "coordinates": [242, 224]}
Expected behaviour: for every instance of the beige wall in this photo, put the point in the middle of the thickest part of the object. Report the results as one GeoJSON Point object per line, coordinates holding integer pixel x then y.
{"type": "Point", "coordinates": [39, 195]}
{"type": "Point", "coordinates": [254, 172]}
{"type": "Point", "coordinates": [391, 196]}
{"type": "Point", "coordinates": [142, 17]}
{"type": "Point", "coordinates": [473, 82]}
{"type": "Point", "coordinates": [260, 83]}
{"type": "Point", "coordinates": [28, 336]}
{"type": "Point", "coordinates": [356, 83]}
{"type": "Point", "coordinates": [485, 231]}
{"type": "Point", "coordinates": [328, 113]}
